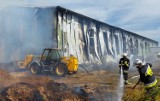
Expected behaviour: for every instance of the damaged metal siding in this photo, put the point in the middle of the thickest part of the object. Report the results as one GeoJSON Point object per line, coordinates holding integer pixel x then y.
{"type": "Point", "coordinates": [97, 42]}
{"type": "Point", "coordinates": [35, 28]}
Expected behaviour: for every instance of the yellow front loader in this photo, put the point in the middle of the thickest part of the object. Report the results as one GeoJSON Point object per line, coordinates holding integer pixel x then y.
{"type": "Point", "coordinates": [52, 61]}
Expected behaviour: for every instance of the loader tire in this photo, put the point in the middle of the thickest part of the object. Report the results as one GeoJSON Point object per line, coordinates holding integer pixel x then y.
{"type": "Point", "coordinates": [34, 68]}
{"type": "Point", "coordinates": [60, 70]}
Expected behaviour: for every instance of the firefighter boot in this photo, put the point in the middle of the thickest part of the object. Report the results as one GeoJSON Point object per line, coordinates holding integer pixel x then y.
{"type": "Point", "coordinates": [126, 82]}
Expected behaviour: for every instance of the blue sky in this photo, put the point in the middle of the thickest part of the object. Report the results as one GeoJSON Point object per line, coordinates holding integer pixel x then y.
{"type": "Point", "coordinates": [139, 16]}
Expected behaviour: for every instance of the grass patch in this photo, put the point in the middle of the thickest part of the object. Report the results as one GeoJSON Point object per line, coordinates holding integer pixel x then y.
{"type": "Point", "coordinates": [138, 94]}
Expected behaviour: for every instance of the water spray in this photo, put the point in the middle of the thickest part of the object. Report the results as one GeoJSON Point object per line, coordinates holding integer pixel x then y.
{"type": "Point", "coordinates": [120, 86]}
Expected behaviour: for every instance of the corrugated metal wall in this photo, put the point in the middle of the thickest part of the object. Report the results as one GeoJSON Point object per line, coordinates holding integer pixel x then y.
{"type": "Point", "coordinates": [96, 42]}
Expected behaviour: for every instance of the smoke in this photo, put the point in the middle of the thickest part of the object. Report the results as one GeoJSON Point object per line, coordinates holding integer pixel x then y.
{"type": "Point", "coordinates": [4, 4]}
{"type": "Point", "coordinates": [24, 30]}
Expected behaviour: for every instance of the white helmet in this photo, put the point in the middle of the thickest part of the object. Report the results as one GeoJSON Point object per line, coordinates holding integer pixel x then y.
{"type": "Point", "coordinates": [125, 54]}
{"type": "Point", "coordinates": [137, 62]}
{"type": "Point", "coordinates": [158, 55]}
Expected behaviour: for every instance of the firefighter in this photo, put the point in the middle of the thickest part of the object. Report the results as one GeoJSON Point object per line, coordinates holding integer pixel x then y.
{"type": "Point", "coordinates": [147, 77]}
{"type": "Point", "coordinates": [124, 64]}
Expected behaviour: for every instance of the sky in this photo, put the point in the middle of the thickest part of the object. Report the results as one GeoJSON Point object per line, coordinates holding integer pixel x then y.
{"type": "Point", "coordinates": [139, 16]}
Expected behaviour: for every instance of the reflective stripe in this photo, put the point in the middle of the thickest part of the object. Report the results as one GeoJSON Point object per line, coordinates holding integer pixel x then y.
{"type": "Point", "coordinates": [151, 84]}
{"type": "Point", "coordinates": [123, 64]}
{"type": "Point", "coordinates": [149, 71]}
{"type": "Point", "coordinates": [126, 63]}
{"type": "Point", "coordinates": [125, 71]}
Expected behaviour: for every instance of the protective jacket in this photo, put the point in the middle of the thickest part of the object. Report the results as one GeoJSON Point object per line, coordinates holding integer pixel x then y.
{"type": "Point", "coordinates": [146, 76]}
{"type": "Point", "coordinates": [124, 63]}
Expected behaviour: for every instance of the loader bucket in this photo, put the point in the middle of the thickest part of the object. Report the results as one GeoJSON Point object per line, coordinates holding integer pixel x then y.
{"type": "Point", "coordinates": [28, 59]}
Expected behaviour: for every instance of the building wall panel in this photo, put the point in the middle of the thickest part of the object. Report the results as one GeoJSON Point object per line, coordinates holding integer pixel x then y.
{"type": "Point", "coordinates": [103, 43]}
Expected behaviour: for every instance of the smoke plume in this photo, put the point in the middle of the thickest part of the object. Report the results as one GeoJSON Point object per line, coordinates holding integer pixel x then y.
{"type": "Point", "coordinates": [24, 30]}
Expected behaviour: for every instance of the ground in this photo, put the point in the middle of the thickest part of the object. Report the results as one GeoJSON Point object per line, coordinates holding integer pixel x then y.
{"type": "Point", "coordinates": [138, 94]}
{"type": "Point", "coordinates": [99, 85]}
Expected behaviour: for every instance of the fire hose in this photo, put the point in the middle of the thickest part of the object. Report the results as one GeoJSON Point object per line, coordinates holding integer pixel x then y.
{"type": "Point", "coordinates": [83, 66]}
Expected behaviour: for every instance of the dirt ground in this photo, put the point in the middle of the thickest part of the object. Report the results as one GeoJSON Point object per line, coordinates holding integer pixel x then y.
{"type": "Point", "coordinates": [100, 85]}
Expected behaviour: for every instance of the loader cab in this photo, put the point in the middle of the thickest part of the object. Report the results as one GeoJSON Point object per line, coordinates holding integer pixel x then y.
{"type": "Point", "coordinates": [50, 55]}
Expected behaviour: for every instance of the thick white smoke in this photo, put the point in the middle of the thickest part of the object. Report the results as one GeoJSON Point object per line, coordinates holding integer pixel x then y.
{"type": "Point", "coordinates": [24, 30]}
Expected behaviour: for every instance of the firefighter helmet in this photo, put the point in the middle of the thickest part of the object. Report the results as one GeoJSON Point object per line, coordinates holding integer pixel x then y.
{"type": "Point", "coordinates": [158, 55]}
{"type": "Point", "coordinates": [124, 54]}
{"type": "Point", "coordinates": [137, 62]}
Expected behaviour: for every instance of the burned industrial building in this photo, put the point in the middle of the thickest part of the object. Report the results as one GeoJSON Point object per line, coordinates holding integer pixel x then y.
{"type": "Point", "coordinates": [29, 29]}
